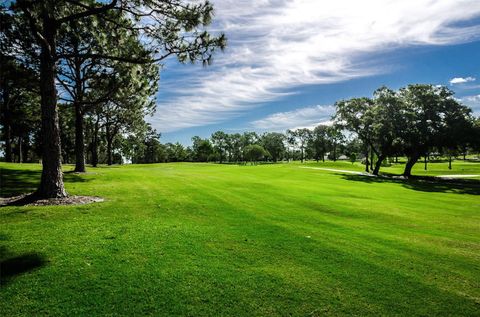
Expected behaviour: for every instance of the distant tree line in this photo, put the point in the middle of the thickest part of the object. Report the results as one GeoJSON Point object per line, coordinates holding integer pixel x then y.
{"type": "Point", "coordinates": [414, 122]}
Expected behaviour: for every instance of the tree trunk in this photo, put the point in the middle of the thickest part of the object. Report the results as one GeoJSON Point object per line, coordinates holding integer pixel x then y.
{"type": "Point", "coordinates": [8, 142]}
{"type": "Point", "coordinates": [20, 150]}
{"type": "Point", "coordinates": [408, 167]}
{"type": "Point", "coordinates": [79, 142]}
{"type": "Point", "coordinates": [378, 164]}
{"type": "Point", "coordinates": [334, 152]}
{"type": "Point", "coordinates": [51, 184]}
{"type": "Point", "coordinates": [425, 162]}
{"type": "Point", "coordinates": [7, 127]}
{"type": "Point", "coordinates": [109, 150]}
{"type": "Point", "coordinates": [109, 138]}
{"type": "Point", "coordinates": [371, 158]}
{"type": "Point", "coordinates": [449, 162]}
{"type": "Point", "coordinates": [78, 111]}
{"type": "Point", "coordinates": [367, 163]}
{"type": "Point", "coordinates": [95, 143]}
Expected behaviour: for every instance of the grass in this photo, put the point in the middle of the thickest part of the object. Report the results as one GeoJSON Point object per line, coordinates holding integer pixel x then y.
{"type": "Point", "coordinates": [267, 240]}
{"type": "Point", "coordinates": [440, 167]}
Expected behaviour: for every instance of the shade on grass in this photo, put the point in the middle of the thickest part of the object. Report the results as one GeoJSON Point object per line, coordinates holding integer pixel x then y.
{"type": "Point", "coordinates": [206, 239]}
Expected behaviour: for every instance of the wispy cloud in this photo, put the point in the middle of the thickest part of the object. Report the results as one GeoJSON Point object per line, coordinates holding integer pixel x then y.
{"type": "Point", "coordinates": [461, 80]}
{"type": "Point", "coordinates": [275, 46]}
{"type": "Point", "coordinates": [307, 117]}
{"type": "Point", "coordinates": [473, 102]}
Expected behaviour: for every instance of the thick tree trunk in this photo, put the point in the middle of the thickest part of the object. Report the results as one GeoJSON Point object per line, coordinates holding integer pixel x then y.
{"type": "Point", "coordinates": [449, 162]}
{"type": "Point", "coordinates": [378, 164]}
{"type": "Point", "coordinates": [51, 184]}
{"type": "Point", "coordinates": [408, 167]}
{"type": "Point", "coordinates": [79, 142]}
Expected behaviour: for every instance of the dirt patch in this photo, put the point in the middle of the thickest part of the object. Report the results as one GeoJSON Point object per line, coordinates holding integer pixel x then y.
{"type": "Point", "coordinates": [32, 200]}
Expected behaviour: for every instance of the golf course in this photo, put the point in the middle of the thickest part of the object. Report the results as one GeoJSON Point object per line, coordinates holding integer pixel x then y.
{"type": "Point", "coordinates": [203, 239]}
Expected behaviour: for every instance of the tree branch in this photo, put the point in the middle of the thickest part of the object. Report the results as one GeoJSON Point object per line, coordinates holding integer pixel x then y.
{"type": "Point", "coordinates": [114, 58]}
{"type": "Point", "coordinates": [88, 12]}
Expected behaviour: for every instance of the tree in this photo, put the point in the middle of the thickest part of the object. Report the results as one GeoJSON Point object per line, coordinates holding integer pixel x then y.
{"type": "Point", "coordinates": [202, 149]}
{"type": "Point", "coordinates": [273, 142]}
{"type": "Point", "coordinates": [318, 143]}
{"type": "Point", "coordinates": [375, 121]}
{"type": "Point", "coordinates": [353, 148]}
{"type": "Point", "coordinates": [335, 137]}
{"type": "Point", "coordinates": [176, 152]}
{"type": "Point", "coordinates": [149, 150]}
{"type": "Point", "coordinates": [355, 115]}
{"type": "Point", "coordinates": [88, 81]}
{"type": "Point", "coordinates": [300, 138]}
{"type": "Point", "coordinates": [254, 153]}
{"type": "Point", "coordinates": [427, 112]}
{"type": "Point", "coordinates": [387, 125]}
{"type": "Point", "coordinates": [220, 142]}
{"type": "Point", "coordinates": [458, 129]}
{"type": "Point", "coordinates": [18, 104]}
{"type": "Point", "coordinates": [168, 27]}
{"type": "Point", "coordinates": [234, 147]}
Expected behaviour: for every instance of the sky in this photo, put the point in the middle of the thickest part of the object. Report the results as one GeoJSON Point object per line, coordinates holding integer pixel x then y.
{"type": "Point", "coordinates": [287, 62]}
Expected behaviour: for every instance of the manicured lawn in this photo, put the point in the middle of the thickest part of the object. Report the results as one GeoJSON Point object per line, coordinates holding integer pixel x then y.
{"type": "Point", "coordinates": [228, 240]}
{"type": "Point", "coordinates": [459, 167]}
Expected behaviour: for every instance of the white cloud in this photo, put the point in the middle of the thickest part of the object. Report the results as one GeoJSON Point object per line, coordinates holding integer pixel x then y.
{"type": "Point", "coordinates": [474, 98]}
{"type": "Point", "coordinates": [307, 117]}
{"type": "Point", "coordinates": [461, 80]}
{"type": "Point", "coordinates": [473, 102]}
{"type": "Point", "coordinates": [275, 46]}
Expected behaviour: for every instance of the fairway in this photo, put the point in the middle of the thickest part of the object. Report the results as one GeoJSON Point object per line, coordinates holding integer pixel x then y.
{"type": "Point", "coordinates": [229, 240]}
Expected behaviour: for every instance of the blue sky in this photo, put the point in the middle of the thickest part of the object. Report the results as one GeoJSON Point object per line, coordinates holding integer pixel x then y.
{"type": "Point", "coordinates": [288, 62]}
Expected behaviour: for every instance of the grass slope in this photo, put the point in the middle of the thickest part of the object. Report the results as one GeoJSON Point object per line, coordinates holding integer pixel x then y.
{"type": "Point", "coordinates": [207, 240]}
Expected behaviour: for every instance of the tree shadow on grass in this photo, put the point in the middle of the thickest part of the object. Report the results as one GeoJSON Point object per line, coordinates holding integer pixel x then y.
{"type": "Point", "coordinates": [424, 183]}
{"type": "Point", "coordinates": [16, 182]}
{"type": "Point", "coordinates": [12, 266]}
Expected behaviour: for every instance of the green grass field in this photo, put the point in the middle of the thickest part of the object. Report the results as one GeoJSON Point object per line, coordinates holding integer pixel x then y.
{"type": "Point", "coordinates": [227, 240]}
